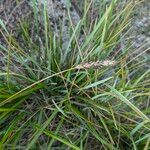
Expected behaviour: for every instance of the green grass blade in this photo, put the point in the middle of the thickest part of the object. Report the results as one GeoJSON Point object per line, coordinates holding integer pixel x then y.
{"type": "Point", "coordinates": [59, 138]}
{"type": "Point", "coordinates": [40, 130]}
{"type": "Point", "coordinates": [96, 83]}
{"type": "Point", "coordinates": [126, 101]}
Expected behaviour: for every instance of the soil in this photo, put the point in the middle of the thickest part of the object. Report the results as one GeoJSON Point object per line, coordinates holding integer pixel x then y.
{"type": "Point", "coordinates": [140, 30]}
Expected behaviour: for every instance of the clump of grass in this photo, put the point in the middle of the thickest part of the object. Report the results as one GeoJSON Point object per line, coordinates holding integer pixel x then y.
{"type": "Point", "coordinates": [77, 99]}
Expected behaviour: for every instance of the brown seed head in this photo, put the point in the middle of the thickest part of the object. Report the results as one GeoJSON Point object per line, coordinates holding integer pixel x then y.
{"type": "Point", "coordinates": [96, 64]}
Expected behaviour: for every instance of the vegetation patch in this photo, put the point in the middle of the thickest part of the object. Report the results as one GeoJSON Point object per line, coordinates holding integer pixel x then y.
{"type": "Point", "coordinates": [76, 86]}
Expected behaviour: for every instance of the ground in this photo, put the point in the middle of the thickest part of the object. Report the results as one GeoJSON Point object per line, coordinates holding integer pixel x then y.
{"type": "Point", "coordinates": [15, 11]}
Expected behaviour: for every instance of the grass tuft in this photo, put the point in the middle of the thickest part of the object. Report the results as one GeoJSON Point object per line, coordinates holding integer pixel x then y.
{"type": "Point", "coordinates": [78, 89]}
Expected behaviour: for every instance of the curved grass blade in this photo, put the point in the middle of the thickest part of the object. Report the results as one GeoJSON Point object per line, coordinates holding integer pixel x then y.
{"type": "Point", "coordinates": [132, 106]}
